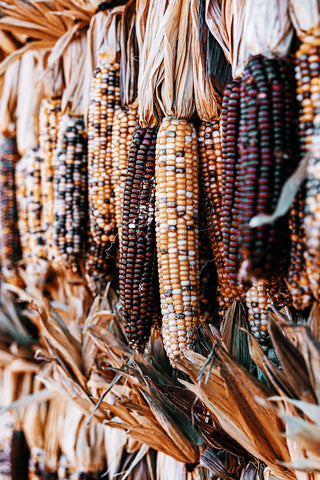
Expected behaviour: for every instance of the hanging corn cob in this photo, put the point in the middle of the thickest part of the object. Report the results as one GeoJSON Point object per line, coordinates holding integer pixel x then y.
{"type": "Point", "coordinates": [104, 100]}
{"type": "Point", "coordinates": [268, 155]}
{"type": "Point", "coordinates": [176, 172]}
{"type": "Point", "coordinates": [70, 190]}
{"type": "Point", "coordinates": [37, 261]}
{"type": "Point", "coordinates": [230, 194]}
{"type": "Point", "coordinates": [9, 234]}
{"type": "Point", "coordinates": [211, 176]}
{"type": "Point", "coordinates": [49, 116]}
{"type": "Point", "coordinates": [124, 122]}
{"type": "Point", "coordinates": [177, 197]}
{"type": "Point", "coordinates": [137, 249]}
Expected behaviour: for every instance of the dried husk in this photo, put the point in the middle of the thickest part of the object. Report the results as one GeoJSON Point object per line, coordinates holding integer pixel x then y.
{"type": "Point", "coordinates": [219, 20]}
{"type": "Point", "coordinates": [30, 94]}
{"type": "Point", "coordinates": [240, 403]}
{"type": "Point", "coordinates": [74, 75]}
{"type": "Point", "coordinates": [149, 28]}
{"type": "Point", "coordinates": [305, 17]}
{"type": "Point", "coordinates": [129, 58]}
{"type": "Point", "coordinates": [268, 29]}
{"type": "Point", "coordinates": [8, 102]}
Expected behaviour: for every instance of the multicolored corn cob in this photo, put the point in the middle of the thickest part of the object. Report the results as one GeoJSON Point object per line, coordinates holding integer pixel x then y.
{"type": "Point", "coordinates": [98, 266]}
{"type": "Point", "coordinates": [268, 149]}
{"type": "Point", "coordinates": [37, 260]}
{"type": "Point", "coordinates": [49, 115]}
{"type": "Point", "coordinates": [104, 101]}
{"type": "Point", "coordinates": [70, 190]}
{"type": "Point", "coordinates": [10, 251]}
{"type": "Point", "coordinates": [124, 123]}
{"type": "Point", "coordinates": [137, 276]}
{"type": "Point", "coordinates": [211, 178]}
{"type": "Point", "coordinates": [177, 196]}
{"type": "Point", "coordinates": [229, 190]}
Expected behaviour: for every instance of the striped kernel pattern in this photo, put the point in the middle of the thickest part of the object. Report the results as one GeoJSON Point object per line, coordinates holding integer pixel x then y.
{"type": "Point", "coordinates": [138, 246]}
{"type": "Point", "coordinates": [10, 250]}
{"type": "Point", "coordinates": [49, 115]}
{"type": "Point", "coordinates": [124, 123]}
{"type": "Point", "coordinates": [268, 149]}
{"type": "Point", "coordinates": [209, 140]}
{"type": "Point", "coordinates": [104, 101]}
{"type": "Point", "coordinates": [70, 190]}
{"type": "Point", "coordinates": [259, 302]}
{"type": "Point", "coordinates": [230, 189]}
{"type": "Point", "coordinates": [177, 197]}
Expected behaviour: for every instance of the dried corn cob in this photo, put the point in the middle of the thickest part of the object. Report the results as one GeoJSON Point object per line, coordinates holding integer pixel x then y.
{"type": "Point", "coordinates": [258, 303]}
{"type": "Point", "coordinates": [177, 233]}
{"type": "Point", "coordinates": [70, 199]}
{"type": "Point", "coordinates": [22, 206]}
{"type": "Point", "coordinates": [10, 251]}
{"type": "Point", "coordinates": [104, 101]}
{"type": "Point", "coordinates": [137, 249]}
{"type": "Point", "coordinates": [211, 176]}
{"type": "Point", "coordinates": [230, 195]}
{"type": "Point", "coordinates": [37, 259]}
{"type": "Point", "coordinates": [50, 112]}
{"type": "Point", "coordinates": [268, 155]}
{"type": "Point", "coordinates": [124, 123]}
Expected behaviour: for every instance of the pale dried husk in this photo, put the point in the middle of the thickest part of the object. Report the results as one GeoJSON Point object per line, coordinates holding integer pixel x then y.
{"type": "Point", "coordinates": [305, 16]}
{"type": "Point", "coordinates": [30, 94]}
{"type": "Point", "coordinates": [8, 102]}
{"type": "Point", "coordinates": [166, 86]}
{"type": "Point", "coordinates": [219, 20]}
{"type": "Point", "coordinates": [268, 29]}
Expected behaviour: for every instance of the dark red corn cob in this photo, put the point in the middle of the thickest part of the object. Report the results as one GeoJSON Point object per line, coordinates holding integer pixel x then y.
{"type": "Point", "coordinates": [138, 245]}
{"type": "Point", "coordinates": [229, 190]}
{"type": "Point", "coordinates": [268, 155]}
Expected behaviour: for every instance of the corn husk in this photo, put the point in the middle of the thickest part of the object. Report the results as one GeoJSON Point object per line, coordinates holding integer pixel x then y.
{"type": "Point", "coordinates": [30, 94]}
{"type": "Point", "coordinates": [129, 59]}
{"type": "Point", "coordinates": [219, 20]}
{"type": "Point", "coordinates": [216, 383]}
{"type": "Point", "coordinates": [8, 102]}
{"type": "Point", "coordinates": [149, 27]}
{"type": "Point", "coordinates": [271, 37]}
{"type": "Point", "coordinates": [305, 16]}
{"type": "Point", "coordinates": [206, 97]}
